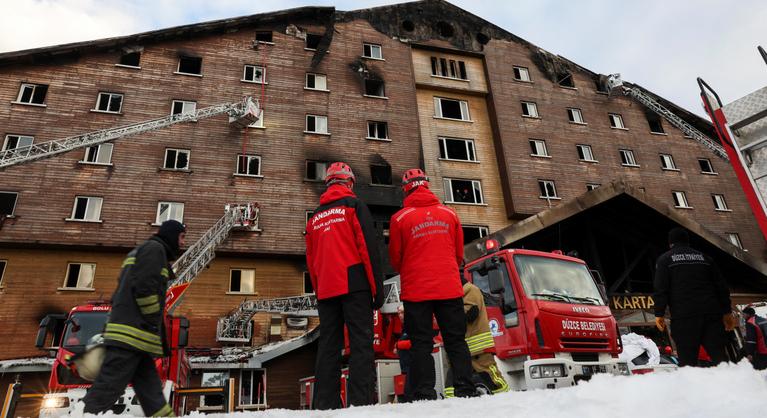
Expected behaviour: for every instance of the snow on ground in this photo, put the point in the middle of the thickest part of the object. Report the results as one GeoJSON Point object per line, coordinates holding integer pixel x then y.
{"type": "Point", "coordinates": [725, 391]}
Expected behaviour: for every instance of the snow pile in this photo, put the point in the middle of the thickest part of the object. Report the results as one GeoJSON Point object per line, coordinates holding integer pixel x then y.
{"type": "Point", "coordinates": [634, 345]}
{"type": "Point", "coordinates": [725, 391]}
{"type": "Point", "coordinates": [6, 365]}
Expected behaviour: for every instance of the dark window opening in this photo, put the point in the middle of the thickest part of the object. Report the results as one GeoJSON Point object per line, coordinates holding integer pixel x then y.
{"type": "Point", "coordinates": [378, 130]}
{"type": "Point", "coordinates": [443, 64]}
{"type": "Point", "coordinates": [547, 188]}
{"type": "Point", "coordinates": [451, 109]}
{"type": "Point", "coordinates": [656, 126]}
{"type": "Point", "coordinates": [380, 174]}
{"type": "Point", "coordinates": [73, 274]}
{"type": "Point", "coordinates": [265, 36]}
{"type": "Point", "coordinates": [456, 149]}
{"type": "Point", "coordinates": [313, 40]}
{"type": "Point", "coordinates": [566, 80]}
{"type": "Point", "coordinates": [445, 29]}
{"type": "Point", "coordinates": [471, 233]}
{"type": "Point", "coordinates": [462, 70]}
{"type": "Point", "coordinates": [315, 170]}
{"type": "Point", "coordinates": [465, 191]}
{"type": "Point", "coordinates": [374, 88]}
{"type": "Point", "coordinates": [453, 69]}
{"type": "Point", "coordinates": [434, 66]}
{"type": "Point", "coordinates": [80, 208]}
{"type": "Point", "coordinates": [482, 38]}
{"type": "Point", "coordinates": [7, 203]}
{"type": "Point", "coordinates": [308, 283]}
{"type": "Point", "coordinates": [33, 93]}
{"type": "Point", "coordinates": [190, 65]}
{"type": "Point", "coordinates": [132, 59]}
{"type": "Point", "coordinates": [248, 165]}
{"type": "Point", "coordinates": [235, 284]}
{"type": "Point", "coordinates": [408, 25]}
{"type": "Point", "coordinates": [705, 166]}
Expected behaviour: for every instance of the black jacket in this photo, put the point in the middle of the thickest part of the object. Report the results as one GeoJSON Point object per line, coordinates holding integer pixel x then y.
{"type": "Point", "coordinates": [690, 284]}
{"type": "Point", "coordinates": [136, 320]}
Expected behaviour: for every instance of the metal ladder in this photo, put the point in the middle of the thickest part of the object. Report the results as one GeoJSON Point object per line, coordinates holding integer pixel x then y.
{"type": "Point", "coordinates": [237, 326]}
{"type": "Point", "coordinates": [241, 113]}
{"type": "Point", "coordinates": [614, 81]}
{"type": "Point", "coordinates": [201, 253]}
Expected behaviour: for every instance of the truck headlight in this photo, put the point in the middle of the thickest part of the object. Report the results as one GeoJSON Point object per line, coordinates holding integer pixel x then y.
{"type": "Point", "coordinates": [547, 370]}
{"type": "Point", "coordinates": [623, 369]}
{"type": "Point", "coordinates": [56, 402]}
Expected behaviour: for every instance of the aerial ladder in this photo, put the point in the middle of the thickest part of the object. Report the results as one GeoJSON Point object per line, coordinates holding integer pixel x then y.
{"type": "Point", "coordinates": [237, 327]}
{"type": "Point", "coordinates": [242, 114]}
{"type": "Point", "coordinates": [614, 82]}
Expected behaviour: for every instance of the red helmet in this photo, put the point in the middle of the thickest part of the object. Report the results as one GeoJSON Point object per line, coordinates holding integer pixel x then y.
{"type": "Point", "coordinates": [338, 172]}
{"type": "Point", "coordinates": [413, 178]}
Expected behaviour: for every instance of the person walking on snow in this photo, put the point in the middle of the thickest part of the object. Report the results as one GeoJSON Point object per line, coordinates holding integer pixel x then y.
{"type": "Point", "coordinates": [692, 287]}
{"type": "Point", "coordinates": [426, 247]}
{"type": "Point", "coordinates": [756, 338]}
{"type": "Point", "coordinates": [343, 259]}
{"type": "Point", "coordinates": [135, 332]}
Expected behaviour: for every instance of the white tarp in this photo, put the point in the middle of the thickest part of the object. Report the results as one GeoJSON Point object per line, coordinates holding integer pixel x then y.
{"type": "Point", "coordinates": [634, 345]}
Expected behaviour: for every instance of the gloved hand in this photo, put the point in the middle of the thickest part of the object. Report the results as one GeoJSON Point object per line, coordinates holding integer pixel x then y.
{"type": "Point", "coordinates": [378, 300]}
{"type": "Point", "coordinates": [660, 323]}
{"type": "Point", "coordinates": [472, 314]}
{"type": "Point", "coordinates": [404, 345]}
{"type": "Point", "coordinates": [730, 322]}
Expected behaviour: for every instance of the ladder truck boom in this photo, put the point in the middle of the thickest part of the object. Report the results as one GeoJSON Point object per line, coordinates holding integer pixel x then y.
{"type": "Point", "coordinates": [614, 81]}
{"type": "Point", "coordinates": [241, 113]}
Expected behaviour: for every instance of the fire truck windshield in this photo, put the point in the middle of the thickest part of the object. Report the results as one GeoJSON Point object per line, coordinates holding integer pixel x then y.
{"type": "Point", "coordinates": [557, 280]}
{"type": "Point", "coordinates": [81, 326]}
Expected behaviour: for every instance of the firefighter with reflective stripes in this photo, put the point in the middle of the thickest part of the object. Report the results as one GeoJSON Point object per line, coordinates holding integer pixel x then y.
{"type": "Point", "coordinates": [135, 331]}
{"type": "Point", "coordinates": [480, 341]}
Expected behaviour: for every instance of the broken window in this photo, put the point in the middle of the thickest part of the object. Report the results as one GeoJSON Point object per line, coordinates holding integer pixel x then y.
{"type": "Point", "coordinates": [109, 102]}
{"type": "Point", "coordinates": [254, 74]}
{"type": "Point", "coordinates": [248, 165]}
{"type": "Point", "coordinates": [20, 143]}
{"type": "Point", "coordinates": [183, 107]}
{"type": "Point", "coordinates": [87, 208]}
{"type": "Point", "coordinates": [315, 170]}
{"type": "Point", "coordinates": [472, 232]}
{"type": "Point", "coordinates": [372, 51]}
{"type": "Point", "coordinates": [656, 126]}
{"type": "Point", "coordinates": [380, 174]}
{"type": "Point", "coordinates": [667, 162]}
{"type": "Point", "coordinates": [32, 93]}
{"type": "Point", "coordinates": [316, 81]}
{"type": "Point", "coordinates": [529, 110]}
{"type": "Point", "coordinates": [565, 80]}
{"type": "Point", "coordinates": [734, 239]}
{"type": "Point", "coordinates": [374, 88]}
{"type": "Point", "coordinates": [308, 290]}
{"type": "Point", "coordinates": [592, 186]}
{"type": "Point", "coordinates": [378, 130]}
{"type": "Point", "coordinates": [521, 74]}
{"type": "Point", "coordinates": [169, 210]}
{"type": "Point", "coordinates": [680, 200]}
{"type": "Point", "coordinates": [80, 276]}
{"type": "Point", "coordinates": [98, 154]}
{"type": "Point", "coordinates": [252, 387]}
{"type": "Point", "coordinates": [190, 65]}
{"type": "Point", "coordinates": [3, 263]}
{"type": "Point", "coordinates": [176, 159]}
{"type": "Point", "coordinates": [316, 124]}
{"type": "Point", "coordinates": [463, 191]}
{"type": "Point", "coordinates": [313, 40]}
{"type": "Point", "coordinates": [457, 149]}
{"type": "Point", "coordinates": [548, 189]}
{"type": "Point", "coordinates": [130, 59]}
{"type": "Point", "coordinates": [575, 115]}
{"type": "Point", "coordinates": [8, 203]}
{"type": "Point", "coordinates": [585, 153]}
{"type": "Point", "coordinates": [616, 121]}
{"type": "Point", "coordinates": [264, 36]}
{"type": "Point", "coordinates": [443, 67]}
{"type": "Point", "coordinates": [242, 281]}
{"type": "Point", "coordinates": [445, 29]}
{"type": "Point", "coordinates": [705, 166]}
{"type": "Point", "coordinates": [719, 203]}
{"type": "Point", "coordinates": [627, 158]}
{"type": "Point", "coordinates": [451, 109]}
{"type": "Point", "coordinates": [538, 148]}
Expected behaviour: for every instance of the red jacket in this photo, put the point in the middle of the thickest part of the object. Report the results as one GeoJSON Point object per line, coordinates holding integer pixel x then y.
{"type": "Point", "coordinates": [341, 248]}
{"type": "Point", "coordinates": [426, 247]}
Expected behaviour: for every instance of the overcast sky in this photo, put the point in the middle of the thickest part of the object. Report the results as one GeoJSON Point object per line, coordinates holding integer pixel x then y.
{"type": "Point", "coordinates": [662, 45]}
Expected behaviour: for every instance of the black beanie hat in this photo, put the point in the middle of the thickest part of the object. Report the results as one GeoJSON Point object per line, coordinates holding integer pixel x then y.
{"type": "Point", "coordinates": [678, 236]}
{"type": "Point", "coordinates": [749, 311]}
{"type": "Point", "coordinates": [169, 232]}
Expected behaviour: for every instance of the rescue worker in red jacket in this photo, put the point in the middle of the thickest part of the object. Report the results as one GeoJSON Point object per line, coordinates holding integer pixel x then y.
{"type": "Point", "coordinates": [426, 247]}
{"type": "Point", "coordinates": [343, 259]}
{"type": "Point", "coordinates": [756, 341]}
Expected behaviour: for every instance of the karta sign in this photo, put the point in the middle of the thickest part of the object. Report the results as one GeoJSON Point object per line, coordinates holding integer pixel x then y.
{"type": "Point", "coordinates": [631, 301]}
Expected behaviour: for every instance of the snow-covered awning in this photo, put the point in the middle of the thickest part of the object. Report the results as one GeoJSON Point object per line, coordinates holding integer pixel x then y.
{"type": "Point", "coordinates": [26, 365]}
{"type": "Point", "coordinates": [250, 357]}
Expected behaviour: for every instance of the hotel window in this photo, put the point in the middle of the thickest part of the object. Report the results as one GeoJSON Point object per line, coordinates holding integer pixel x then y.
{"type": "Point", "coordinates": [316, 82]}
{"type": "Point", "coordinates": [592, 186]}
{"type": "Point", "coordinates": [463, 191]}
{"type": "Point", "coordinates": [705, 166]}
{"type": "Point", "coordinates": [254, 74]}
{"type": "Point", "coordinates": [616, 121]}
{"type": "Point", "coordinates": [521, 74]}
{"type": "Point", "coordinates": [248, 165]}
{"type": "Point", "coordinates": [315, 170]}
{"type": "Point", "coordinates": [380, 175]}
{"type": "Point", "coordinates": [176, 159]}
{"type": "Point", "coordinates": [656, 126]}
{"type": "Point", "coordinates": [374, 88]}
{"type": "Point", "coordinates": [734, 239]}
{"type": "Point", "coordinates": [8, 203]}
{"type": "Point", "coordinates": [242, 281]}
{"type": "Point", "coordinates": [548, 189]}
{"type": "Point", "coordinates": [451, 109]}
{"type": "Point", "coordinates": [169, 210]}
{"type": "Point", "coordinates": [538, 148]}
{"type": "Point", "coordinates": [529, 110]}
{"type": "Point", "coordinates": [627, 158]}
{"type": "Point", "coordinates": [719, 203]}
{"type": "Point", "coordinates": [372, 51]}
{"type": "Point", "coordinates": [312, 41]}
{"type": "Point", "coordinates": [472, 232]}
{"type": "Point", "coordinates": [378, 130]}
{"type": "Point", "coordinates": [183, 107]}
{"type": "Point", "coordinates": [667, 162]}
{"type": "Point", "coordinates": [680, 200]}
{"type": "Point", "coordinates": [189, 65]}
{"type": "Point", "coordinates": [585, 153]}
{"type": "Point", "coordinates": [87, 208]}
{"type": "Point", "coordinates": [3, 263]}
{"type": "Point", "coordinates": [575, 116]}
{"type": "Point", "coordinates": [252, 387]}
{"type": "Point", "coordinates": [79, 276]}
{"type": "Point", "coordinates": [316, 124]}
{"type": "Point", "coordinates": [130, 59]}
{"type": "Point", "coordinates": [98, 154]}
{"type": "Point", "coordinates": [20, 143]}
{"type": "Point", "coordinates": [265, 37]}
{"type": "Point", "coordinates": [109, 102]}
{"type": "Point", "coordinates": [443, 67]}
{"type": "Point", "coordinates": [32, 94]}
{"type": "Point", "coordinates": [457, 149]}
{"type": "Point", "coordinates": [259, 123]}
{"type": "Point", "coordinates": [308, 290]}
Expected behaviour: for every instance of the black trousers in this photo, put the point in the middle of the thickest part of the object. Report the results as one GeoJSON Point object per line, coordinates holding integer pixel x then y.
{"type": "Point", "coordinates": [759, 361]}
{"type": "Point", "coordinates": [355, 310]}
{"type": "Point", "coordinates": [690, 333]}
{"type": "Point", "coordinates": [452, 324]}
{"type": "Point", "coordinates": [122, 366]}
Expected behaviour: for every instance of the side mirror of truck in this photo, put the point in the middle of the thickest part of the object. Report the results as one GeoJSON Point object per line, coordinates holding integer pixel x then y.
{"type": "Point", "coordinates": [495, 280]}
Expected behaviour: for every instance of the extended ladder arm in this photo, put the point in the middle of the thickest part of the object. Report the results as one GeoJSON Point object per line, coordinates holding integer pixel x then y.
{"type": "Point", "coordinates": [614, 81]}
{"type": "Point", "coordinates": [241, 113]}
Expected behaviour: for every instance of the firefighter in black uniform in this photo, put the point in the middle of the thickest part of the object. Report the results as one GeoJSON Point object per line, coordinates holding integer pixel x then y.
{"type": "Point", "coordinates": [692, 287]}
{"type": "Point", "coordinates": [134, 333]}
